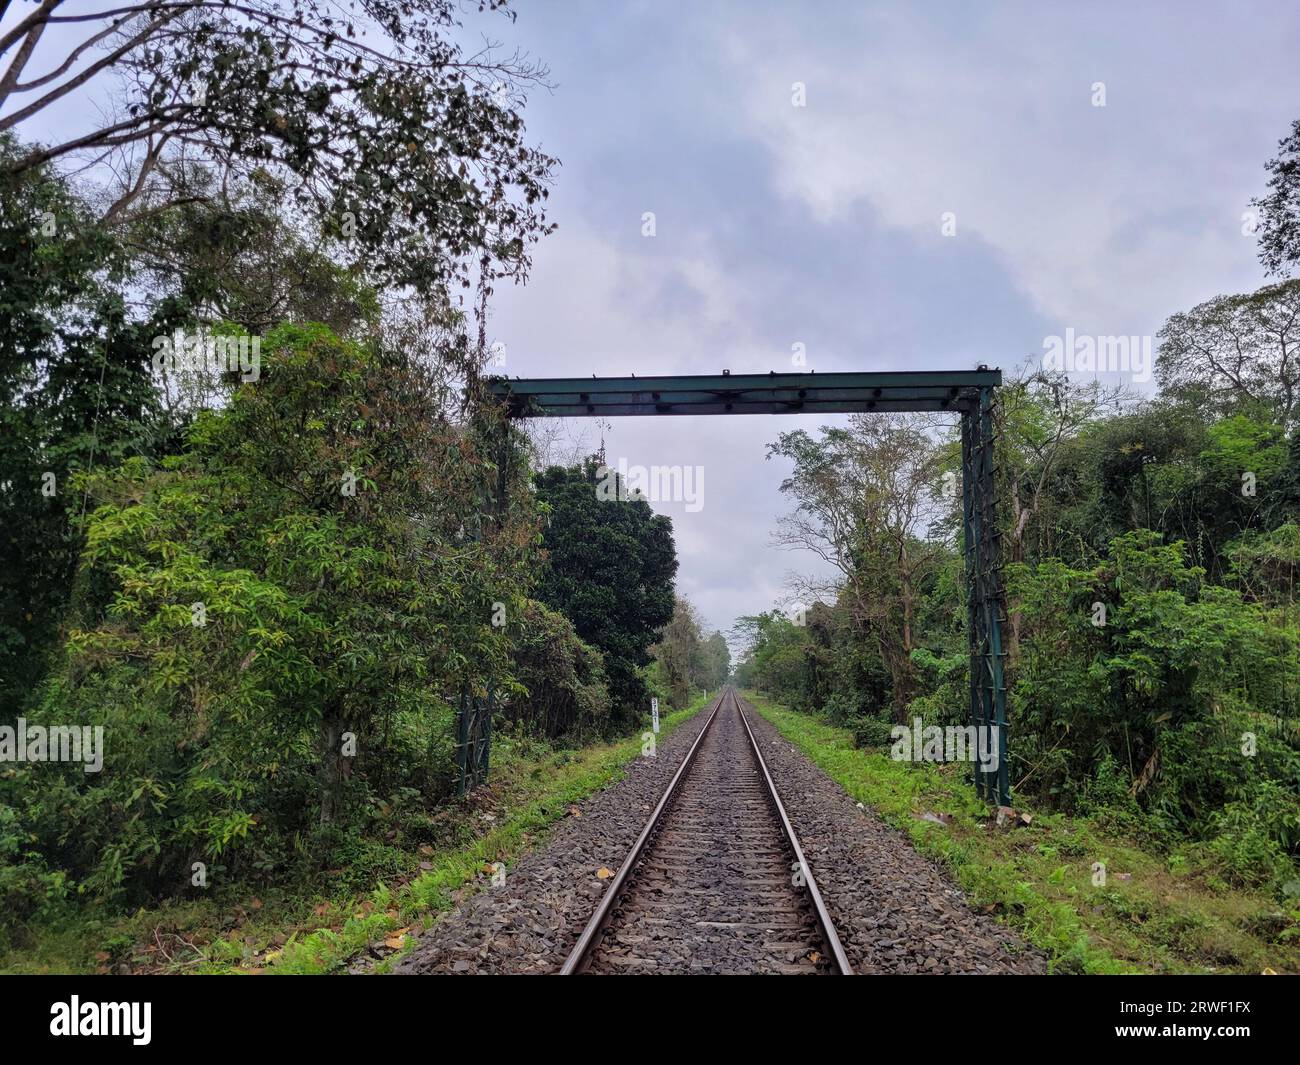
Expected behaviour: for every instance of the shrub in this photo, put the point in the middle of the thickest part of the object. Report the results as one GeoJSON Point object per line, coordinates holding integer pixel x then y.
{"type": "Point", "coordinates": [562, 679]}
{"type": "Point", "coordinates": [242, 623]}
{"type": "Point", "coordinates": [873, 732]}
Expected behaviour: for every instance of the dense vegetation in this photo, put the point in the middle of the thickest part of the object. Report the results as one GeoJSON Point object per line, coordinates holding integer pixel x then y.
{"type": "Point", "coordinates": [261, 525]}
{"type": "Point", "coordinates": [270, 583]}
{"type": "Point", "coordinates": [610, 570]}
{"type": "Point", "coordinates": [687, 660]}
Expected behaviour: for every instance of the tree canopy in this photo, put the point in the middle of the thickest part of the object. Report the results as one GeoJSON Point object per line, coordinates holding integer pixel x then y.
{"type": "Point", "coordinates": [610, 568]}
{"type": "Point", "coordinates": [408, 152]}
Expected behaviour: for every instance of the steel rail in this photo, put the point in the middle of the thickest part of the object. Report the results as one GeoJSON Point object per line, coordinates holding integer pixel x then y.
{"type": "Point", "coordinates": [578, 956]}
{"type": "Point", "coordinates": [588, 938]}
{"type": "Point", "coordinates": [819, 905]}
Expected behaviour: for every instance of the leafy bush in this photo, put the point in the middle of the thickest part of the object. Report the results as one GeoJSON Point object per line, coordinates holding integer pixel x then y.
{"type": "Point", "coordinates": [562, 679]}
{"type": "Point", "coordinates": [873, 732]}
{"type": "Point", "coordinates": [270, 629]}
{"type": "Point", "coordinates": [843, 709]}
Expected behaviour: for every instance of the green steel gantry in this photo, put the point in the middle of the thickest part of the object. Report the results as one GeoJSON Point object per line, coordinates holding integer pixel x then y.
{"type": "Point", "coordinates": [965, 392]}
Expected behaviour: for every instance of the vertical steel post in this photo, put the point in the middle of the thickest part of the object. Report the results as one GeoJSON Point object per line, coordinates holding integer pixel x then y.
{"type": "Point", "coordinates": [462, 743]}
{"type": "Point", "coordinates": [486, 740]}
{"type": "Point", "coordinates": [969, 429]}
{"type": "Point", "coordinates": [474, 722]}
{"type": "Point", "coordinates": [988, 572]}
{"type": "Point", "coordinates": [984, 591]}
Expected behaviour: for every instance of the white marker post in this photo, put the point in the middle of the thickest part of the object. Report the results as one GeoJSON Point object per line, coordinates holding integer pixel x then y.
{"type": "Point", "coordinates": [654, 713]}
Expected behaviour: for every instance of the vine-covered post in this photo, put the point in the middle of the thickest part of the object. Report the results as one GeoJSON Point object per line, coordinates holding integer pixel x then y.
{"type": "Point", "coordinates": [984, 601]}
{"type": "Point", "coordinates": [473, 739]}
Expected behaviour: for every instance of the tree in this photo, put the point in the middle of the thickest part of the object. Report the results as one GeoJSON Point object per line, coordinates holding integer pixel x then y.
{"type": "Point", "coordinates": [679, 651]}
{"type": "Point", "coordinates": [865, 504]}
{"type": "Point", "coordinates": [610, 569]}
{"type": "Point", "coordinates": [84, 308]}
{"type": "Point", "coordinates": [239, 256]}
{"type": "Point", "coordinates": [1038, 415]}
{"type": "Point", "coordinates": [74, 392]}
{"type": "Point", "coordinates": [1160, 466]}
{"type": "Point", "coordinates": [1279, 222]}
{"type": "Point", "coordinates": [775, 656]}
{"type": "Point", "coordinates": [1177, 671]}
{"type": "Point", "coordinates": [716, 662]}
{"type": "Point", "coordinates": [565, 694]}
{"type": "Point", "coordinates": [688, 659]}
{"type": "Point", "coordinates": [1236, 354]}
{"type": "Point", "coordinates": [272, 164]}
{"type": "Point", "coordinates": [1284, 503]}
{"type": "Point", "coordinates": [384, 133]}
{"type": "Point", "coordinates": [277, 622]}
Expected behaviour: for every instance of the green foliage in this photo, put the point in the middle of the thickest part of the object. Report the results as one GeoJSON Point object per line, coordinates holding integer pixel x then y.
{"type": "Point", "coordinates": [563, 678]}
{"type": "Point", "coordinates": [1266, 565]}
{"type": "Point", "coordinates": [862, 496]}
{"type": "Point", "coordinates": [610, 569]}
{"type": "Point", "coordinates": [815, 659]}
{"type": "Point", "coordinates": [1234, 355]}
{"type": "Point", "coordinates": [715, 662]}
{"type": "Point", "coordinates": [322, 613]}
{"type": "Point", "coordinates": [776, 656]}
{"type": "Point", "coordinates": [74, 391]}
{"type": "Point", "coordinates": [1162, 651]}
{"type": "Point", "coordinates": [1279, 227]}
{"type": "Point", "coordinates": [382, 132]}
{"type": "Point", "coordinates": [685, 660]}
{"type": "Point", "coordinates": [236, 256]}
{"type": "Point", "coordinates": [678, 651]}
{"type": "Point", "coordinates": [1152, 623]}
{"type": "Point", "coordinates": [83, 304]}
{"type": "Point", "coordinates": [870, 731]}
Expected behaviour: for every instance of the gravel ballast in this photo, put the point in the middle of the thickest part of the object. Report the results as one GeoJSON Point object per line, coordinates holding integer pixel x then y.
{"type": "Point", "coordinates": [895, 910]}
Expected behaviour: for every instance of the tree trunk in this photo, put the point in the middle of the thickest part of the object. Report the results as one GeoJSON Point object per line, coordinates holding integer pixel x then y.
{"type": "Point", "coordinates": [332, 764]}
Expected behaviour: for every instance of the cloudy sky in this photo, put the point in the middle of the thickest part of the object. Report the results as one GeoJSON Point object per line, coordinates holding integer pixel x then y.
{"type": "Point", "coordinates": [777, 224]}
{"type": "Point", "coordinates": [821, 225]}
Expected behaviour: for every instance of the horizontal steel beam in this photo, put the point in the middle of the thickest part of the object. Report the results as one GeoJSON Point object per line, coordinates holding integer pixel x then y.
{"type": "Point", "coordinates": [784, 393]}
{"type": "Point", "coordinates": [617, 410]}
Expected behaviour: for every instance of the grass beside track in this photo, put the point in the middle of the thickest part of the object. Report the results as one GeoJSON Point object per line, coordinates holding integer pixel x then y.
{"type": "Point", "coordinates": [1151, 916]}
{"type": "Point", "coordinates": [317, 928]}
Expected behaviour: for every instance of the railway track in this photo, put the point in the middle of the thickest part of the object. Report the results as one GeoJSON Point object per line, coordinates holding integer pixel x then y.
{"type": "Point", "coordinates": [716, 882]}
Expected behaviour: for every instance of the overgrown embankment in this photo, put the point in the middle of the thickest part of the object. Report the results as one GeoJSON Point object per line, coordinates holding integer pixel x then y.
{"type": "Point", "coordinates": [1153, 914]}
{"type": "Point", "coordinates": [328, 925]}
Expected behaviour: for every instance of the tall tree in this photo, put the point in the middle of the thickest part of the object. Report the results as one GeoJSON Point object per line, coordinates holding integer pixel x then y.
{"type": "Point", "coordinates": [383, 131]}
{"type": "Point", "coordinates": [267, 161]}
{"type": "Point", "coordinates": [679, 651]}
{"type": "Point", "coordinates": [74, 392]}
{"type": "Point", "coordinates": [716, 666]}
{"type": "Point", "coordinates": [865, 503]}
{"type": "Point", "coordinates": [1236, 353]}
{"type": "Point", "coordinates": [1279, 222]}
{"type": "Point", "coordinates": [610, 570]}
{"type": "Point", "coordinates": [1038, 415]}
{"type": "Point", "coordinates": [277, 620]}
